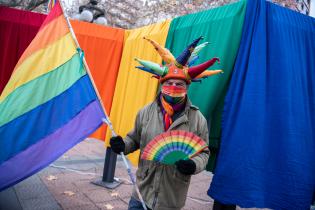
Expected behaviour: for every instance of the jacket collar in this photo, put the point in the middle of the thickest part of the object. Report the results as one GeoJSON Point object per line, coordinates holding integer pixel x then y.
{"type": "Point", "coordinates": [181, 119]}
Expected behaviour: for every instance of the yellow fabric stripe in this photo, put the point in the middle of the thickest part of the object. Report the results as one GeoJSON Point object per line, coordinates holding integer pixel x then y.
{"type": "Point", "coordinates": [41, 62]}
{"type": "Point", "coordinates": [135, 88]}
{"type": "Point", "coordinates": [47, 35]}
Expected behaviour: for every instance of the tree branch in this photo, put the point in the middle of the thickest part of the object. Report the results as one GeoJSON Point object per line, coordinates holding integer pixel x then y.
{"type": "Point", "coordinates": [35, 3]}
{"type": "Point", "coordinates": [13, 3]}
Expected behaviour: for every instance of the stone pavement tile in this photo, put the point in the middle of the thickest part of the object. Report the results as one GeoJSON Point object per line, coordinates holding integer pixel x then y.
{"type": "Point", "coordinates": [57, 187]}
{"type": "Point", "coordinates": [204, 199]}
{"type": "Point", "coordinates": [72, 154]}
{"type": "Point", "coordinates": [121, 169]}
{"type": "Point", "coordinates": [197, 194]}
{"type": "Point", "coordinates": [193, 205]}
{"type": "Point", "coordinates": [72, 164]}
{"type": "Point", "coordinates": [37, 190]}
{"type": "Point", "coordinates": [97, 146]}
{"type": "Point", "coordinates": [80, 165]}
{"type": "Point", "coordinates": [72, 202]}
{"type": "Point", "coordinates": [82, 159]}
{"type": "Point", "coordinates": [98, 154]}
{"type": "Point", "coordinates": [9, 200]}
{"type": "Point", "coordinates": [86, 186]}
{"type": "Point", "coordinates": [116, 204]}
{"type": "Point", "coordinates": [121, 172]}
{"type": "Point", "coordinates": [99, 169]}
{"type": "Point", "coordinates": [72, 177]}
{"type": "Point", "coordinates": [91, 206]}
{"type": "Point", "coordinates": [203, 176]}
{"type": "Point", "coordinates": [33, 194]}
{"type": "Point", "coordinates": [126, 200]}
{"type": "Point", "coordinates": [40, 203]}
{"type": "Point", "coordinates": [96, 160]}
{"type": "Point", "coordinates": [50, 171]}
{"type": "Point", "coordinates": [100, 195]}
{"type": "Point", "coordinates": [199, 190]}
{"type": "Point", "coordinates": [29, 181]}
{"type": "Point", "coordinates": [88, 147]}
{"type": "Point", "coordinates": [99, 166]}
{"type": "Point", "coordinates": [124, 191]}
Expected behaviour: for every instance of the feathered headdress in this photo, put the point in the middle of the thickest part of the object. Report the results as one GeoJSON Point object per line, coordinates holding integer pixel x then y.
{"type": "Point", "coordinates": [180, 67]}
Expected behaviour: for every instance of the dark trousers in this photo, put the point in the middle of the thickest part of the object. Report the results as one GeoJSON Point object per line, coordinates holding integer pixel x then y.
{"type": "Point", "coordinates": [220, 206]}
{"type": "Point", "coordinates": [134, 204]}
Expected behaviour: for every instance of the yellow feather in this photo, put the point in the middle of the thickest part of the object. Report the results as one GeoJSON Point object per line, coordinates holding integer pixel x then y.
{"type": "Point", "coordinates": [163, 52]}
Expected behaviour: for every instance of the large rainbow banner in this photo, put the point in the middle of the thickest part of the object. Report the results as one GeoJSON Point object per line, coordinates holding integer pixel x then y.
{"type": "Point", "coordinates": [48, 105]}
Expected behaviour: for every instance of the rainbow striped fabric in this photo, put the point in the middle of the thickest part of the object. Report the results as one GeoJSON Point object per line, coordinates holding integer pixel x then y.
{"type": "Point", "coordinates": [174, 145]}
{"type": "Point", "coordinates": [48, 105]}
{"type": "Point", "coordinates": [51, 4]}
{"type": "Point", "coordinates": [174, 91]}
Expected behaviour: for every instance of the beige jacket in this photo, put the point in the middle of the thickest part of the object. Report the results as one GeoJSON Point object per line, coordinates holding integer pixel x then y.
{"type": "Point", "coordinates": [163, 187]}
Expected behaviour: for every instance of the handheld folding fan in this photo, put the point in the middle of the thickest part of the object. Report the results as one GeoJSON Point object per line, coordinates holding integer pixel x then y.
{"type": "Point", "coordinates": [171, 146]}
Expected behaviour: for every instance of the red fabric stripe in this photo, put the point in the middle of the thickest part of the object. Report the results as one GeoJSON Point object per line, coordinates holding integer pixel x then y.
{"type": "Point", "coordinates": [54, 13]}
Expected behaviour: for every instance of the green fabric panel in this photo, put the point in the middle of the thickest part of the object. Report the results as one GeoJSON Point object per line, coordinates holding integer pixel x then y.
{"type": "Point", "coordinates": [40, 90]}
{"type": "Point", "coordinates": [222, 27]}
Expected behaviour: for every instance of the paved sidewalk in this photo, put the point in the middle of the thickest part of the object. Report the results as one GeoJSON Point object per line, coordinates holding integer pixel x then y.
{"type": "Point", "coordinates": [66, 184]}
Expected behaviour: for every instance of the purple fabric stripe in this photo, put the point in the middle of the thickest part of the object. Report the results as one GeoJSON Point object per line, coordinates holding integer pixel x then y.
{"type": "Point", "coordinates": [51, 147]}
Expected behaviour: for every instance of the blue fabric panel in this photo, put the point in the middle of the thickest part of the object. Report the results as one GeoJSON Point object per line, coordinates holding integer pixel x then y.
{"type": "Point", "coordinates": [267, 154]}
{"type": "Point", "coordinates": [32, 126]}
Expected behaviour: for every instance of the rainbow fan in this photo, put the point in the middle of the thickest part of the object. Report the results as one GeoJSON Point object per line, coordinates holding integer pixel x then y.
{"type": "Point", "coordinates": [171, 146]}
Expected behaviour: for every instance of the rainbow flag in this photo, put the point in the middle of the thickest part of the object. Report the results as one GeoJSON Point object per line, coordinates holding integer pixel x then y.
{"type": "Point", "coordinates": [51, 4]}
{"type": "Point", "coordinates": [49, 104]}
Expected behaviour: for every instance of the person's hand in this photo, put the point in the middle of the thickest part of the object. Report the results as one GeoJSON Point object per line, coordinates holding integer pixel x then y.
{"type": "Point", "coordinates": [187, 167]}
{"type": "Point", "coordinates": [117, 144]}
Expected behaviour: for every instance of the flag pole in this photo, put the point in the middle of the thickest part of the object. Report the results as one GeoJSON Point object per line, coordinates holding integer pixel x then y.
{"type": "Point", "coordinates": [108, 180]}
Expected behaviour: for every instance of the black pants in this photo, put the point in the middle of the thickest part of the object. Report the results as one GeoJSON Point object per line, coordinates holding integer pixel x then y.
{"type": "Point", "coordinates": [220, 206]}
{"type": "Point", "coordinates": [134, 204]}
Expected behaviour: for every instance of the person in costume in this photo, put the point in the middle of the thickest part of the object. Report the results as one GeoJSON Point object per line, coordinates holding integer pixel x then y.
{"type": "Point", "coordinates": [164, 186]}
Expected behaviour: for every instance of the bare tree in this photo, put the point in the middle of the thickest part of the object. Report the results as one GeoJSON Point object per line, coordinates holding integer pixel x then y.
{"type": "Point", "coordinates": [136, 13]}
{"type": "Point", "coordinates": [302, 6]}
{"type": "Point", "coordinates": [24, 4]}
{"type": "Point", "coordinates": [11, 3]}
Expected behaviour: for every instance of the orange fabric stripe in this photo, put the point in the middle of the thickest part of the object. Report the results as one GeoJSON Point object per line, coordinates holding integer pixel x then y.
{"type": "Point", "coordinates": [56, 29]}
{"type": "Point", "coordinates": [54, 13]}
{"type": "Point", "coordinates": [102, 48]}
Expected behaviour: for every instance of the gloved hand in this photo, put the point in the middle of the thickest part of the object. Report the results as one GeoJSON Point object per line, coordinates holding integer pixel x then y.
{"type": "Point", "coordinates": [117, 144]}
{"type": "Point", "coordinates": [187, 167]}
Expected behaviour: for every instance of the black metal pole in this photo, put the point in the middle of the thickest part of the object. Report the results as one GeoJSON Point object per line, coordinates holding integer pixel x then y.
{"type": "Point", "coordinates": [109, 165]}
{"type": "Point", "coordinates": [108, 180]}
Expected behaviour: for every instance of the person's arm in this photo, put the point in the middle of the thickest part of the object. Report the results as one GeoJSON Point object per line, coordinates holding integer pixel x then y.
{"type": "Point", "coordinates": [201, 160]}
{"type": "Point", "coordinates": [132, 140]}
